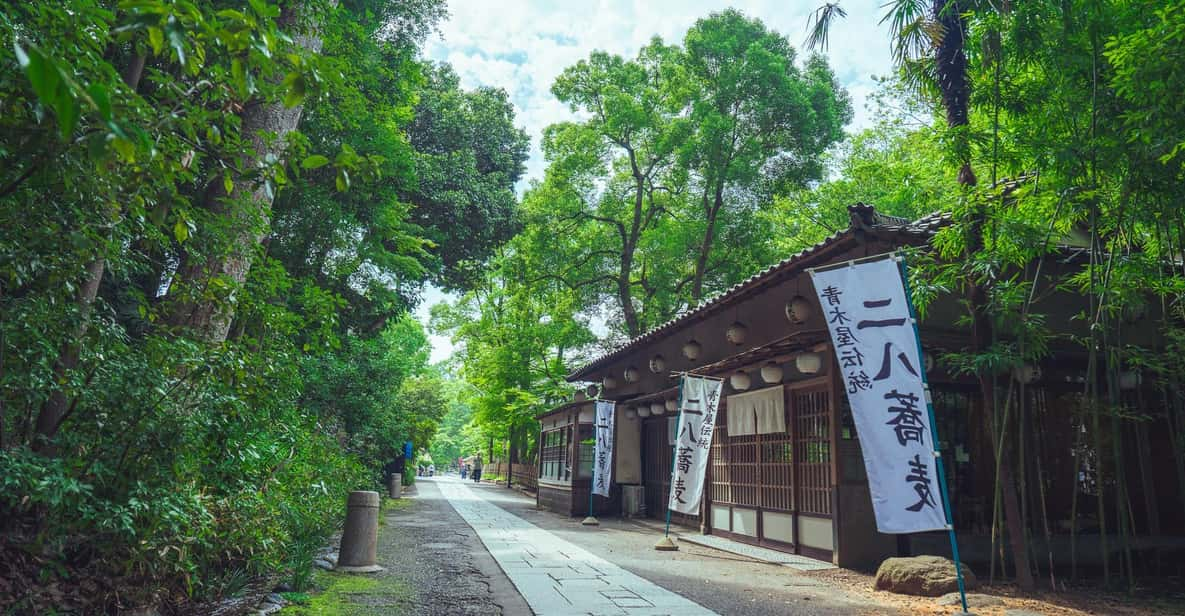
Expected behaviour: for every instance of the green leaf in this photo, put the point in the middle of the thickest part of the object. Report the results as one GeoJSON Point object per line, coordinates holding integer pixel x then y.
{"type": "Point", "coordinates": [228, 183]}
{"type": "Point", "coordinates": [343, 180]}
{"type": "Point", "coordinates": [177, 42]}
{"type": "Point", "coordinates": [98, 94]}
{"type": "Point", "coordinates": [68, 111]}
{"type": "Point", "coordinates": [181, 231]}
{"type": "Point", "coordinates": [239, 75]}
{"type": "Point", "coordinates": [156, 38]}
{"type": "Point", "coordinates": [295, 83]}
{"type": "Point", "coordinates": [316, 161]}
{"type": "Point", "coordinates": [43, 76]}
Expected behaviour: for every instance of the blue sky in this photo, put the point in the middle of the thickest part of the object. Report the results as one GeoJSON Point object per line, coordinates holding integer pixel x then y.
{"type": "Point", "coordinates": [522, 45]}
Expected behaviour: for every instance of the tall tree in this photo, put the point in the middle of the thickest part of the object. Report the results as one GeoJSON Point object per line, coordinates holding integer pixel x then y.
{"type": "Point", "coordinates": [761, 122]}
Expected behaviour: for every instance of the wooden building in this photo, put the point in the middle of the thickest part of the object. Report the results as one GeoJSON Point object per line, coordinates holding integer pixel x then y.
{"type": "Point", "coordinates": [566, 460]}
{"type": "Point", "coordinates": [786, 470]}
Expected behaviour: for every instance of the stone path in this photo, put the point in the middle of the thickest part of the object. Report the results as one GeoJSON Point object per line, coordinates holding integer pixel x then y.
{"type": "Point", "coordinates": [794, 561]}
{"type": "Point", "coordinates": [556, 576]}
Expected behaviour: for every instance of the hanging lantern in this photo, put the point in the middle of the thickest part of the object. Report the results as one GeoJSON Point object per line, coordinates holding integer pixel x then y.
{"type": "Point", "coordinates": [630, 413]}
{"type": "Point", "coordinates": [1129, 379]}
{"type": "Point", "coordinates": [1027, 373]}
{"type": "Point", "coordinates": [591, 390]}
{"type": "Point", "coordinates": [736, 333]}
{"type": "Point", "coordinates": [658, 364]}
{"type": "Point", "coordinates": [609, 382]}
{"type": "Point", "coordinates": [643, 411]}
{"type": "Point", "coordinates": [657, 408]}
{"type": "Point", "coordinates": [740, 380]}
{"type": "Point", "coordinates": [771, 373]}
{"type": "Point", "coordinates": [691, 349]}
{"type": "Point", "coordinates": [798, 309]}
{"type": "Point", "coordinates": [928, 361]}
{"type": "Point", "coordinates": [631, 375]}
{"type": "Point", "coordinates": [580, 396]}
{"type": "Point", "coordinates": [808, 363]}
{"type": "Point", "coordinates": [671, 405]}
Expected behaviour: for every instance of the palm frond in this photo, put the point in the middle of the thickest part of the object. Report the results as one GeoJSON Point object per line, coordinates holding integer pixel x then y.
{"type": "Point", "coordinates": [902, 13]}
{"type": "Point", "coordinates": [916, 39]}
{"type": "Point", "coordinates": [820, 22]}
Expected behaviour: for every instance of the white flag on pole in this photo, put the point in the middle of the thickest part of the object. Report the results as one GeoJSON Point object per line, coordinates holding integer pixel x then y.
{"type": "Point", "coordinates": [700, 398]}
{"type": "Point", "coordinates": [603, 462]}
{"type": "Point", "coordinates": [876, 348]}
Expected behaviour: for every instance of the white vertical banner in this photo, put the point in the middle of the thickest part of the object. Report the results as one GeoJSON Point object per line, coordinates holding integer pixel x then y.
{"type": "Point", "coordinates": [876, 348]}
{"type": "Point", "coordinates": [603, 460]}
{"type": "Point", "coordinates": [699, 399]}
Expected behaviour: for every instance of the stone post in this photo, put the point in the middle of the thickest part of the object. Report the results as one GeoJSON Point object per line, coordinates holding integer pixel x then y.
{"type": "Point", "coordinates": [395, 485]}
{"type": "Point", "coordinates": [360, 537]}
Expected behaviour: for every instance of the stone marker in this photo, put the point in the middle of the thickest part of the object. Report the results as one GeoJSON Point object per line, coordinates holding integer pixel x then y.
{"type": "Point", "coordinates": [928, 576]}
{"type": "Point", "coordinates": [590, 521]}
{"type": "Point", "coordinates": [360, 537]}
{"type": "Point", "coordinates": [395, 485]}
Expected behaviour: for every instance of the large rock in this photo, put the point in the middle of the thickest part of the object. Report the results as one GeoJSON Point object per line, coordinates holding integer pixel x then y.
{"type": "Point", "coordinates": [928, 576]}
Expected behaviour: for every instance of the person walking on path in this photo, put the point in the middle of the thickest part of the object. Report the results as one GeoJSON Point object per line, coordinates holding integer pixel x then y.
{"type": "Point", "coordinates": [477, 469]}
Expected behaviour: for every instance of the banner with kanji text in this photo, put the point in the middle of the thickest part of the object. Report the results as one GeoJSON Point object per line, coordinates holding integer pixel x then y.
{"type": "Point", "coordinates": [603, 453]}
{"type": "Point", "coordinates": [876, 347]}
{"type": "Point", "coordinates": [699, 399]}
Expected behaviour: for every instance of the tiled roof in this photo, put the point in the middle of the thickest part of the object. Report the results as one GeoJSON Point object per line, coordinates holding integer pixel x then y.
{"type": "Point", "coordinates": [862, 217]}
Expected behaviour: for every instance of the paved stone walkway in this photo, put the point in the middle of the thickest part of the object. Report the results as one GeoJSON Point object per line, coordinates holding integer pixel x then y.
{"type": "Point", "coordinates": [794, 561]}
{"type": "Point", "coordinates": [556, 576]}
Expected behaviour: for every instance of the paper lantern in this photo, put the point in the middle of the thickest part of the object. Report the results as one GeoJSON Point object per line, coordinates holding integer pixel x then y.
{"type": "Point", "coordinates": [591, 390]}
{"type": "Point", "coordinates": [631, 375]}
{"type": "Point", "coordinates": [928, 361]}
{"type": "Point", "coordinates": [671, 405]}
{"type": "Point", "coordinates": [771, 373]}
{"type": "Point", "coordinates": [736, 333]}
{"type": "Point", "coordinates": [658, 364]}
{"type": "Point", "coordinates": [808, 363]}
{"type": "Point", "coordinates": [609, 382]}
{"type": "Point", "coordinates": [630, 413]}
{"type": "Point", "coordinates": [798, 309]}
{"type": "Point", "coordinates": [740, 380]}
{"type": "Point", "coordinates": [643, 411]}
{"type": "Point", "coordinates": [657, 408]}
{"type": "Point", "coordinates": [692, 349]}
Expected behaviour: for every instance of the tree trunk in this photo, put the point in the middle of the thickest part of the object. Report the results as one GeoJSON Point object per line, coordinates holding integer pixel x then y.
{"type": "Point", "coordinates": [54, 410]}
{"type": "Point", "coordinates": [705, 247]}
{"type": "Point", "coordinates": [248, 205]}
{"type": "Point", "coordinates": [625, 294]}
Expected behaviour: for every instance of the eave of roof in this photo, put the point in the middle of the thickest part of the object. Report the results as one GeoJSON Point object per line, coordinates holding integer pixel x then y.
{"type": "Point", "coordinates": [863, 218]}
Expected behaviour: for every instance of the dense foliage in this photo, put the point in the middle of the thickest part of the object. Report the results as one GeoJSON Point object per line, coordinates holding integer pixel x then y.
{"type": "Point", "coordinates": [214, 218]}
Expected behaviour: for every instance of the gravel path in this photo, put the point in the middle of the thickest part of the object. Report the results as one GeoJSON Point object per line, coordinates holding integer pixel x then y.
{"type": "Point", "coordinates": [430, 548]}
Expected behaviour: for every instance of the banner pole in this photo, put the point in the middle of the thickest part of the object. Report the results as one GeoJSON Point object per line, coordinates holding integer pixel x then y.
{"type": "Point", "coordinates": [950, 525]}
{"type": "Point", "coordinates": [665, 544]}
{"type": "Point", "coordinates": [592, 520]}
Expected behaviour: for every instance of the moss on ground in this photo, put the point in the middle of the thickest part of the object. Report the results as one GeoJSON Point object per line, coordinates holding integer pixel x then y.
{"type": "Point", "coordinates": [343, 594]}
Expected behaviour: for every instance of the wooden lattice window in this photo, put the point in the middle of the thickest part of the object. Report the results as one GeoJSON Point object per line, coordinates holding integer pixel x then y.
{"type": "Point", "coordinates": [553, 459]}
{"type": "Point", "coordinates": [812, 440]}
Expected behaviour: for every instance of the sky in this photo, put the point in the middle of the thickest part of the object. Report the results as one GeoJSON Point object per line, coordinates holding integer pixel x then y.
{"type": "Point", "coordinates": [522, 45]}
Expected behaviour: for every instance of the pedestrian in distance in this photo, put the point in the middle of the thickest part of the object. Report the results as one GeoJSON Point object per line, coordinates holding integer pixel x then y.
{"type": "Point", "coordinates": [477, 469]}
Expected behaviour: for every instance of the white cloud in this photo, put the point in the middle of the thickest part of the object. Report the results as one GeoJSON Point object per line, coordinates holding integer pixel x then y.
{"type": "Point", "coordinates": [522, 45]}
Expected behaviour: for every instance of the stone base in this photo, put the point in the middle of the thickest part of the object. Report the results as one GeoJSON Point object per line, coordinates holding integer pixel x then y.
{"type": "Point", "coordinates": [666, 544]}
{"type": "Point", "coordinates": [362, 569]}
{"type": "Point", "coordinates": [590, 521]}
